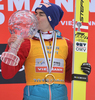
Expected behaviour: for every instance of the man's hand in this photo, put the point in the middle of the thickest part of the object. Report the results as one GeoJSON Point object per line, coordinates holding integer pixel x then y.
{"type": "Point", "coordinates": [12, 39]}
{"type": "Point", "coordinates": [86, 67]}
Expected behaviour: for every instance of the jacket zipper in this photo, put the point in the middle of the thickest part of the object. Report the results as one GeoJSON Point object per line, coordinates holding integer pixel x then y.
{"type": "Point", "coordinates": [49, 92]}
{"type": "Point", "coordinates": [28, 91]}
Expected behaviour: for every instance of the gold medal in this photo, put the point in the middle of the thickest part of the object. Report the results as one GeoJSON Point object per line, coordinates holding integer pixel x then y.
{"type": "Point", "coordinates": [49, 79]}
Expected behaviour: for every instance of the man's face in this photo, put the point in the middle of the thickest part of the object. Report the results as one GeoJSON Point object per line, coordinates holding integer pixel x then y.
{"type": "Point", "coordinates": [43, 23]}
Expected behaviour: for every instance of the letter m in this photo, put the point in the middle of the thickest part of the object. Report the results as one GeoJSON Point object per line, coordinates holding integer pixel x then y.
{"type": "Point", "coordinates": [18, 4]}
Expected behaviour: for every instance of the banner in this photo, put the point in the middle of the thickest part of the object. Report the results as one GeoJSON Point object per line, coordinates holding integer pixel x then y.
{"type": "Point", "coordinates": [11, 88]}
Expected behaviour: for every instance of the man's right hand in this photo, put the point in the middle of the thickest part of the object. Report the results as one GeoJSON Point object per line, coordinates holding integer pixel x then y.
{"type": "Point", "coordinates": [12, 39]}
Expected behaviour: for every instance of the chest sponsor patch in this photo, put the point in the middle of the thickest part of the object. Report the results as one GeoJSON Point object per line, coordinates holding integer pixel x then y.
{"type": "Point", "coordinates": [58, 65]}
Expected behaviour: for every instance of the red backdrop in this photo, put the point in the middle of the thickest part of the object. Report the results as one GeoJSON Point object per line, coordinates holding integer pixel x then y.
{"type": "Point", "coordinates": [11, 91]}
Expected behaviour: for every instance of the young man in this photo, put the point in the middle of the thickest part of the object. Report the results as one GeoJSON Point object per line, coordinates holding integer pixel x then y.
{"type": "Point", "coordinates": [48, 51]}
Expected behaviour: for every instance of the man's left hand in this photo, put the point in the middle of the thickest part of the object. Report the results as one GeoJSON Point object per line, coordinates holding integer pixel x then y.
{"type": "Point", "coordinates": [86, 67]}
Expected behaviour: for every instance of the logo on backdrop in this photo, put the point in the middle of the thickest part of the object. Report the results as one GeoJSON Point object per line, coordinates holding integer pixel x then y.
{"type": "Point", "coordinates": [18, 4]}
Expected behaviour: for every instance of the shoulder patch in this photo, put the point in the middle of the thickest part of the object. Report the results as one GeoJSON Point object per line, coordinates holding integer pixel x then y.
{"type": "Point", "coordinates": [58, 33]}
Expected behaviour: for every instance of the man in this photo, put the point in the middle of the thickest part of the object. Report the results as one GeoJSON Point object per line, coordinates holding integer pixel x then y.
{"type": "Point", "coordinates": [47, 57]}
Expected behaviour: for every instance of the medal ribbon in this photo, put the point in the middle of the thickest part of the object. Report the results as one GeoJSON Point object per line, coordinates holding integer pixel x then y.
{"type": "Point", "coordinates": [52, 52]}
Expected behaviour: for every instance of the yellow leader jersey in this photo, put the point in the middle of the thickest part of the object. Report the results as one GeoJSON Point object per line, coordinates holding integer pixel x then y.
{"type": "Point", "coordinates": [35, 66]}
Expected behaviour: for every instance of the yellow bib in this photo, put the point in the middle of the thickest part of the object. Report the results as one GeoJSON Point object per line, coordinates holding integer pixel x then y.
{"type": "Point", "coordinates": [35, 65]}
